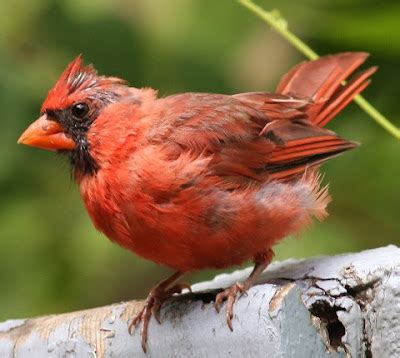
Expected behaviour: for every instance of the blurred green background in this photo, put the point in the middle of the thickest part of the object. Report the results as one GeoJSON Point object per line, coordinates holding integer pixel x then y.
{"type": "Point", "coordinates": [51, 258]}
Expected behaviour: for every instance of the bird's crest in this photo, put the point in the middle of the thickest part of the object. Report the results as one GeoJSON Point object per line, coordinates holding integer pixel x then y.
{"type": "Point", "coordinates": [76, 78]}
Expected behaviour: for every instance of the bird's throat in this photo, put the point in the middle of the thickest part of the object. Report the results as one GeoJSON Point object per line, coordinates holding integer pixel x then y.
{"type": "Point", "coordinates": [81, 160]}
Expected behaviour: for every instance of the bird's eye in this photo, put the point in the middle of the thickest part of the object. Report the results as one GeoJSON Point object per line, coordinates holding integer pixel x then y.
{"type": "Point", "coordinates": [80, 110]}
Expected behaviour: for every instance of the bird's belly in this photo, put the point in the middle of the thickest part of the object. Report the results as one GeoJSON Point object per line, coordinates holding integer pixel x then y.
{"type": "Point", "coordinates": [188, 246]}
{"type": "Point", "coordinates": [217, 230]}
{"type": "Point", "coordinates": [183, 245]}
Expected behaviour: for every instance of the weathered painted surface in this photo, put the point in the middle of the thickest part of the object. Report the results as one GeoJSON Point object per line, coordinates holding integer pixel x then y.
{"type": "Point", "coordinates": [340, 306]}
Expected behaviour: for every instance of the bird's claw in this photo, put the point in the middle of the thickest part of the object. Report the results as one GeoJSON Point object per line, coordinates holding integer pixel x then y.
{"type": "Point", "coordinates": [229, 295]}
{"type": "Point", "coordinates": [136, 320]}
{"type": "Point", "coordinates": [143, 317]}
{"type": "Point", "coordinates": [152, 307]}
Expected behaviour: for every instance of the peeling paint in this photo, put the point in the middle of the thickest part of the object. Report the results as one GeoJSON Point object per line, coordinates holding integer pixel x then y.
{"type": "Point", "coordinates": [279, 295]}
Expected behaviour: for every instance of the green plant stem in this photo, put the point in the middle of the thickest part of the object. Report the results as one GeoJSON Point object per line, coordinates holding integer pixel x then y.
{"type": "Point", "coordinates": [279, 24]}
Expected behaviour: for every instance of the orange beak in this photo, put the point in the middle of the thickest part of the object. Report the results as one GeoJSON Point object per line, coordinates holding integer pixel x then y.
{"type": "Point", "coordinates": [46, 134]}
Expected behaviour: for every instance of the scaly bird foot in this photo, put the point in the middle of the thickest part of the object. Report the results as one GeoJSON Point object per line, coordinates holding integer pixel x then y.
{"type": "Point", "coordinates": [229, 295]}
{"type": "Point", "coordinates": [157, 296]}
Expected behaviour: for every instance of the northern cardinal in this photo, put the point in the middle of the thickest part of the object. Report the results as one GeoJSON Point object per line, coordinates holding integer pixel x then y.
{"type": "Point", "coordinates": [199, 180]}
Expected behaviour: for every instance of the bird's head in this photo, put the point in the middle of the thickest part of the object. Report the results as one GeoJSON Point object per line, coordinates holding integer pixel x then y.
{"type": "Point", "coordinates": [72, 105]}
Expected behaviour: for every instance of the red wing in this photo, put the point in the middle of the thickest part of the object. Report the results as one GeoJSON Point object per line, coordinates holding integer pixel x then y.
{"type": "Point", "coordinates": [222, 127]}
{"type": "Point", "coordinates": [202, 121]}
{"type": "Point", "coordinates": [246, 144]}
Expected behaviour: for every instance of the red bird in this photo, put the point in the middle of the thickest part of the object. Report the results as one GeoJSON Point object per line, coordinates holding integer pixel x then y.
{"type": "Point", "coordinates": [197, 180]}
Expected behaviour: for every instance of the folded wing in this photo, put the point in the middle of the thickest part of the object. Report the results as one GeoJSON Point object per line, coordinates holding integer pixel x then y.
{"type": "Point", "coordinates": [256, 137]}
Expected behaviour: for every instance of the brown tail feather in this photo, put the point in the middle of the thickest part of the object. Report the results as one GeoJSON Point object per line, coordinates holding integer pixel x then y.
{"type": "Point", "coordinates": [321, 82]}
{"type": "Point", "coordinates": [344, 96]}
{"type": "Point", "coordinates": [285, 166]}
{"type": "Point", "coordinates": [304, 145]}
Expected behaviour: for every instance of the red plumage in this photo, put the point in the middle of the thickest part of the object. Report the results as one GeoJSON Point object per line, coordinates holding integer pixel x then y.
{"type": "Point", "coordinates": [196, 180]}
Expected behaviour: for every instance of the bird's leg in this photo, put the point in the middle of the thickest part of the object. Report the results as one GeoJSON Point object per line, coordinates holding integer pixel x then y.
{"type": "Point", "coordinates": [157, 296]}
{"type": "Point", "coordinates": [230, 294]}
